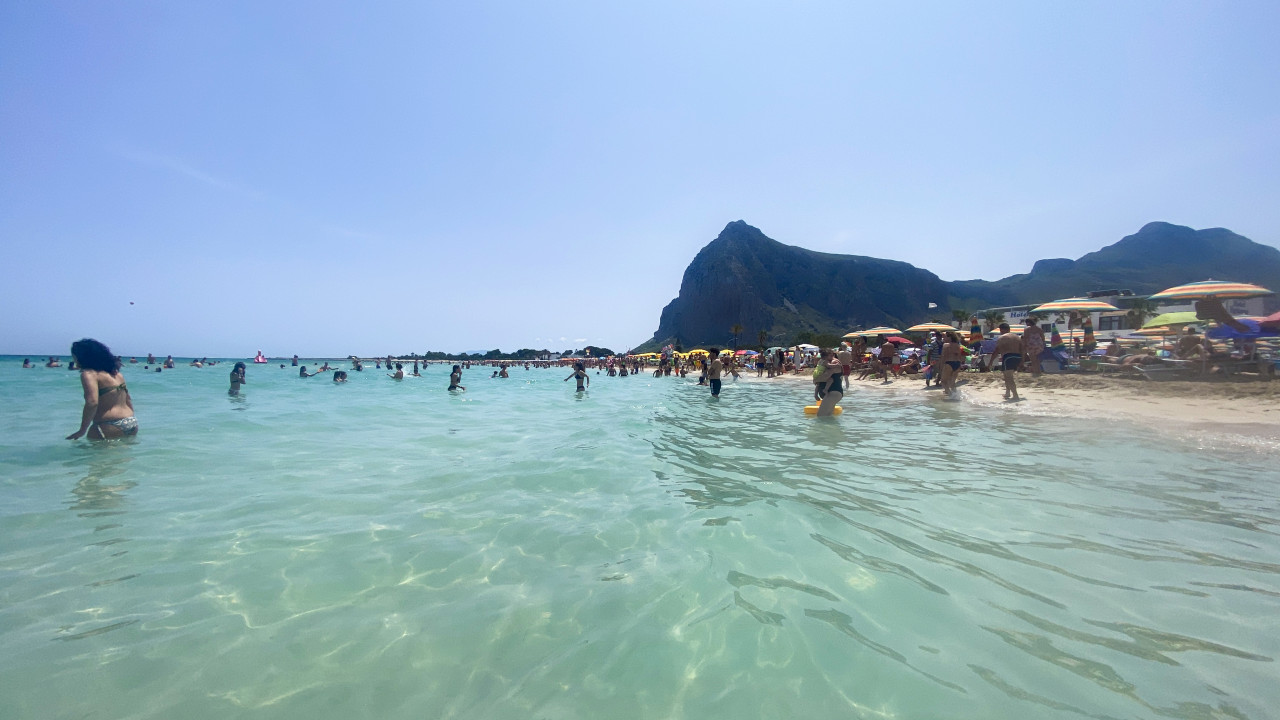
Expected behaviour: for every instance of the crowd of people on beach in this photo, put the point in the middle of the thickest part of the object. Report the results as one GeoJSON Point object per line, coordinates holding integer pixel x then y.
{"type": "Point", "coordinates": [108, 408]}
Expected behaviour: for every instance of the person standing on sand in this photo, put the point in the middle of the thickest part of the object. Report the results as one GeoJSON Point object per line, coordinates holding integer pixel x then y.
{"type": "Point", "coordinates": [714, 368]}
{"type": "Point", "coordinates": [1007, 356]}
{"type": "Point", "coordinates": [1033, 344]}
{"type": "Point", "coordinates": [237, 378]}
{"type": "Point", "coordinates": [845, 356]}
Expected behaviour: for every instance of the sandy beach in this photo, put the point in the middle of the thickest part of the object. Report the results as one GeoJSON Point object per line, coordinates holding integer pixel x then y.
{"type": "Point", "coordinates": [1246, 407]}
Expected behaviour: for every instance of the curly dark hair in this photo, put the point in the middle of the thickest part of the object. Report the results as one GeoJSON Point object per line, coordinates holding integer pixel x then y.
{"type": "Point", "coordinates": [93, 355]}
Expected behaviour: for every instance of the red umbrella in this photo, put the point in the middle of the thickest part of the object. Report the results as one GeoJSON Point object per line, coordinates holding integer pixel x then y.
{"type": "Point", "coordinates": [899, 340]}
{"type": "Point", "coordinates": [1272, 320]}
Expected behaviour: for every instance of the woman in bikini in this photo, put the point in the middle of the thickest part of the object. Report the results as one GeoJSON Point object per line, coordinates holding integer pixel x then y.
{"type": "Point", "coordinates": [237, 379]}
{"type": "Point", "coordinates": [108, 409]}
{"type": "Point", "coordinates": [580, 374]}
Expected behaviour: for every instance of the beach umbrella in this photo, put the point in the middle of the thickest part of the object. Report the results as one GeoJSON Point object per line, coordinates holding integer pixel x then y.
{"type": "Point", "coordinates": [882, 330]}
{"type": "Point", "coordinates": [1089, 342]}
{"type": "Point", "coordinates": [926, 327]}
{"type": "Point", "coordinates": [1174, 318]}
{"type": "Point", "coordinates": [1159, 331]}
{"type": "Point", "coordinates": [1075, 304]}
{"type": "Point", "coordinates": [975, 330]}
{"type": "Point", "coordinates": [1216, 289]}
{"type": "Point", "coordinates": [901, 340]}
{"type": "Point", "coordinates": [1255, 330]}
{"type": "Point", "coordinates": [1017, 329]}
{"type": "Point", "coordinates": [1055, 340]}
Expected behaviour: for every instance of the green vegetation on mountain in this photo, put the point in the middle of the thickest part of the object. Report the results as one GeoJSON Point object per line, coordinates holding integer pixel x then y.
{"type": "Point", "coordinates": [746, 285]}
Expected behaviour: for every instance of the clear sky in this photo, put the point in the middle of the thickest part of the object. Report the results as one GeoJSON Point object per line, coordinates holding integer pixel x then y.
{"type": "Point", "coordinates": [333, 178]}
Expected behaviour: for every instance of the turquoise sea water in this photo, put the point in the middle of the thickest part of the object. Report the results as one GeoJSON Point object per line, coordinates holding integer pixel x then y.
{"type": "Point", "coordinates": [384, 549]}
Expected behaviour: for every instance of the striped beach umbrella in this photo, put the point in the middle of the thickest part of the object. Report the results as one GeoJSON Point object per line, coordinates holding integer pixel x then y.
{"type": "Point", "coordinates": [1055, 340]}
{"type": "Point", "coordinates": [1089, 342]}
{"type": "Point", "coordinates": [882, 330]}
{"type": "Point", "coordinates": [1070, 304]}
{"type": "Point", "coordinates": [975, 330]}
{"type": "Point", "coordinates": [926, 327]}
{"type": "Point", "coordinates": [1211, 289]}
{"type": "Point", "coordinates": [1017, 329]}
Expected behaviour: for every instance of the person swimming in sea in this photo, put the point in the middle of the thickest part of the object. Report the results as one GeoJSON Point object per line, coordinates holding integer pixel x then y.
{"type": "Point", "coordinates": [580, 372]}
{"type": "Point", "coordinates": [237, 378]}
{"type": "Point", "coordinates": [399, 373]}
{"type": "Point", "coordinates": [455, 378]}
{"type": "Point", "coordinates": [108, 409]}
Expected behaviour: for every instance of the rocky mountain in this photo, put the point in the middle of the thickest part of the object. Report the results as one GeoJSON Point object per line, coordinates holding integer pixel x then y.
{"type": "Point", "coordinates": [745, 279]}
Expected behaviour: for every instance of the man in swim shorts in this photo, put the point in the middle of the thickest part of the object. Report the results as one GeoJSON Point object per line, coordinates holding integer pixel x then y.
{"type": "Point", "coordinates": [714, 368]}
{"type": "Point", "coordinates": [1008, 356]}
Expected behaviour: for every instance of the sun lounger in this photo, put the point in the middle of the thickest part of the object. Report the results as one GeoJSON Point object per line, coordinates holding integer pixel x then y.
{"type": "Point", "coordinates": [1165, 372]}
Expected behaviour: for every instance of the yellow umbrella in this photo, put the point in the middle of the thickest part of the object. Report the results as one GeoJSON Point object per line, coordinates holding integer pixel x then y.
{"type": "Point", "coordinates": [882, 330]}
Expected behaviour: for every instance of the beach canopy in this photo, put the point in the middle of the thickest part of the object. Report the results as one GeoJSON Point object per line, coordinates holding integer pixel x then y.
{"type": "Point", "coordinates": [901, 340]}
{"type": "Point", "coordinates": [1174, 318]}
{"type": "Point", "coordinates": [926, 327]}
{"type": "Point", "coordinates": [1206, 289]}
{"type": "Point", "coordinates": [1070, 304]}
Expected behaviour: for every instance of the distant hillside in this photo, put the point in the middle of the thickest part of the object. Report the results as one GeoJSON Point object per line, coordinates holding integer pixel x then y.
{"type": "Point", "coordinates": [747, 279]}
{"type": "Point", "coordinates": [1158, 256]}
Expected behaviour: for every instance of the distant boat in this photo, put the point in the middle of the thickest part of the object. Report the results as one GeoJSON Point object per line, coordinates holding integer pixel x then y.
{"type": "Point", "coordinates": [259, 358]}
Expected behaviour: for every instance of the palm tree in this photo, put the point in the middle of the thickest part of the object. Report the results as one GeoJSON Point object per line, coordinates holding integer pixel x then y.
{"type": "Point", "coordinates": [1139, 311]}
{"type": "Point", "coordinates": [992, 318]}
{"type": "Point", "coordinates": [736, 330]}
{"type": "Point", "coordinates": [763, 337]}
{"type": "Point", "coordinates": [960, 316]}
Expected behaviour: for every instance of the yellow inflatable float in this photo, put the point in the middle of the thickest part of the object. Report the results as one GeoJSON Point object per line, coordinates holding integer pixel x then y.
{"type": "Point", "coordinates": [813, 410]}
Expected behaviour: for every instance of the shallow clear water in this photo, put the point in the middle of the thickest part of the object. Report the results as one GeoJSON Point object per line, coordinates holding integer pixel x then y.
{"type": "Point", "coordinates": [384, 549]}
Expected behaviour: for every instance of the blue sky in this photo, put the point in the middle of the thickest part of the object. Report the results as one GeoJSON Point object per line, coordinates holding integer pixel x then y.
{"type": "Point", "coordinates": [333, 178]}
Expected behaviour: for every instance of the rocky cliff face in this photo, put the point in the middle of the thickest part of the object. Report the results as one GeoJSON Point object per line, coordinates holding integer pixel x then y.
{"type": "Point", "coordinates": [745, 278]}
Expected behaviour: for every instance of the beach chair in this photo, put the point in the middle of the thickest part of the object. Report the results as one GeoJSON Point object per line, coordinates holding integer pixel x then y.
{"type": "Point", "coordinates": [1058, 361]}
